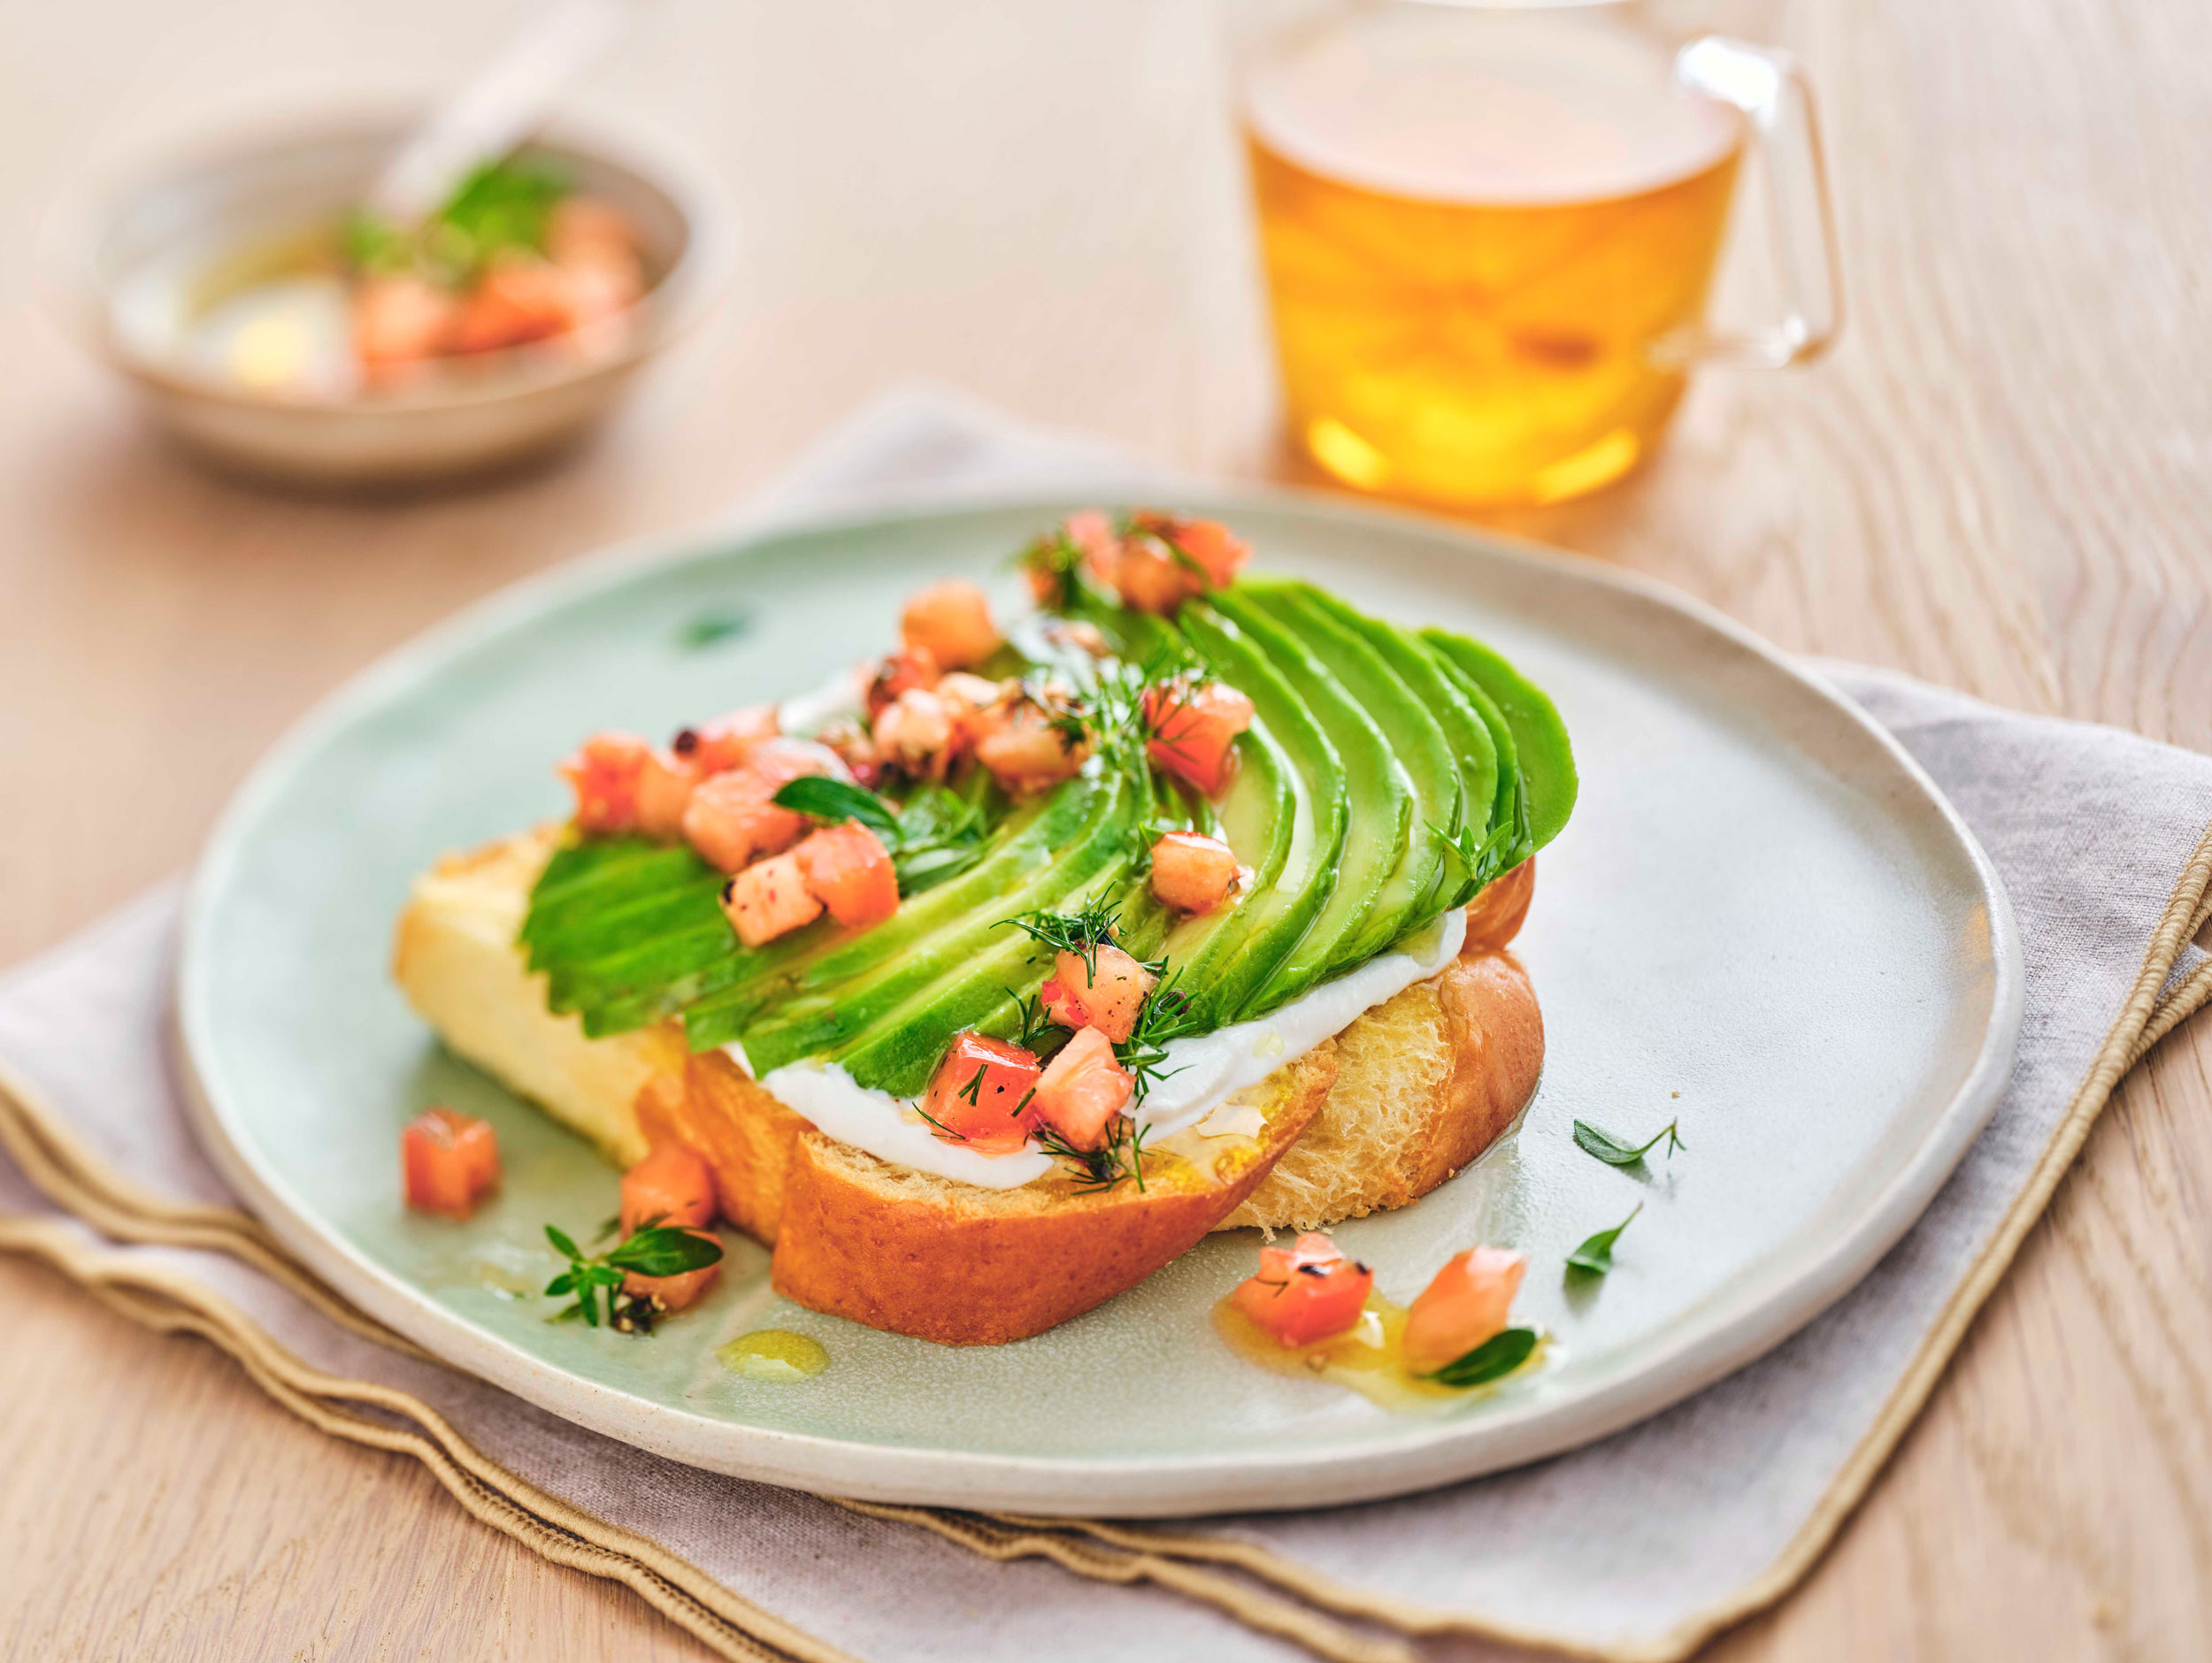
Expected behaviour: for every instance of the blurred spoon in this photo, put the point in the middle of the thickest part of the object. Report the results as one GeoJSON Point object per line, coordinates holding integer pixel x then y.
{"type": "Point", "coordinates": [503, 104]}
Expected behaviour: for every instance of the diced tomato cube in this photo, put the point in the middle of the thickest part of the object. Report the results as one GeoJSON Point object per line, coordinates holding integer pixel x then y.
{"type": "Point", "coordinates": [449, 1161]}
{"type": "Point", "coordinates": [919, 733]}
{"type": "Point", "coordinates": [896, 672]}
{"type": "Point", "coordinates": [1194, 731]}
{"type": "Point", "coordinates": [734, 815]}
{"type": "Point", "coordinates": [1082, 1089]}
{"type": "Point", "coordinates": [672, 1294]}
{"type": "Point", "coordinates": [1306, 1292]}
{"type": "Point", "coordinates": [981, 1094]}
{"type": "Point", "coordinates": [1217, 551]}
{"type": "Point", "coordinates": [604, 772]}
{"type": "Point", "coordinates": [520, 298]}
{"type": "Point", "coordinates": [1495, 916]}
{"type": "Point", "coordinates": [951, 621]}
{"type": "Point", "coordinates": [1105, 993]}
{"type": "Point", "coordinates": [850, 871]}
{"type": "Point", "coordinates": [673, 1185]}
{"type": "Point", "coordinates": [1092, 530]}
{"type": "Point", "coordinates": [586, 228]}
{"type": "Point", "coordinates": [1152, 576]}
{"type": "Point", "coordinates": [727, 741]}
{"type": "Point", "coordinates": [768, 898]}
{"type": "Point", "coordinates": [664, 785]}
{"type": "Point", "coordinates": [1191, 872]}
{"type": "Point", "coordinates": [1467, 1302]}
{"type": "Point", "coordinates": [398, 322]}
{"type": "Point", "coordinates": [1024, 752]}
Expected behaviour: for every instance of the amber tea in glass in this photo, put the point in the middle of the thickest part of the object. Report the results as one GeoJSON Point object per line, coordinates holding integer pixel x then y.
{"type": "Point", "coordinates": [1490, 235]}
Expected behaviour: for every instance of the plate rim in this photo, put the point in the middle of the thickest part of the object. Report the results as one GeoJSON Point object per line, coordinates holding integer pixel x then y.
{"type": "Point", "coordinates": [1425, 1455]}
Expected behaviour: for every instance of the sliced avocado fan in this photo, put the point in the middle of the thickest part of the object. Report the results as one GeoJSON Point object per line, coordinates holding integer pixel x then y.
{"type": "Point", "coordinates": [1386, 776]}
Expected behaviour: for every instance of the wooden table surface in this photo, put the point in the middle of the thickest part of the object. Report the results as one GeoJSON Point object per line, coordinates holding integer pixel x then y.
{"type": "Point", "coordinates": [1999, 481]}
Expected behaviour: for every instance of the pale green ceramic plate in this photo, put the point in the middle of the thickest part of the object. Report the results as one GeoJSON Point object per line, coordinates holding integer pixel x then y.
{"type": "Point", "coordinates": [1763, 918]}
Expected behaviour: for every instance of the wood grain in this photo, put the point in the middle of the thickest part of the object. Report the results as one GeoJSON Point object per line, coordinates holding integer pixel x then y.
{"type": "Point", "coordinates": [1999, 481]}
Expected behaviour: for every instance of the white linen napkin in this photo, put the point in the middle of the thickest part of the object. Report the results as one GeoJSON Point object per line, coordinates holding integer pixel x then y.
{"type": "Point", "coordinates": [1635, 1546]}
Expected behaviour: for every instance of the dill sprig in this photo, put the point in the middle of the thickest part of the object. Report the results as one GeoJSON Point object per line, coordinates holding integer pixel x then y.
{"type": "Point", "coordinates": [1169, 1014]}
{"type": "Point", "coordinates": [1098, 1171]}
{"type": "Point", "coordinates": [1081, 932]}
{"type": "Point", "coordinates": [1035, 1024]}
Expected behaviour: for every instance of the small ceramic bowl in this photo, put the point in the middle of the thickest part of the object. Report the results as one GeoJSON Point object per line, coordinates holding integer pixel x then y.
{"type": "Point", "coordinates": [124, 266]}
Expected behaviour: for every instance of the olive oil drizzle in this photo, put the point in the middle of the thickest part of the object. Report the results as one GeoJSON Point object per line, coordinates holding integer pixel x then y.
{"type": "Point", "coordinates": [1367, 1357]}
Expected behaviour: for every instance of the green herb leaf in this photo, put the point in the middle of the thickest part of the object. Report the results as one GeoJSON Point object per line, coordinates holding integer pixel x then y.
{"type": "Point", "coordinates": [1494, 1358]}
{"type": "Point", "coordinates": [1614, 1152]}
{"type": "Point", "coordinates": [709, 629]}
{"type": "Point", "coordinates": [660, 1251]}
{"type": "Point", "coordinates": [837, 801]}
{"type": "Point", "coordinates": [1594, 1257]}
{"type": "Point", "coordinates": [651, 1250]}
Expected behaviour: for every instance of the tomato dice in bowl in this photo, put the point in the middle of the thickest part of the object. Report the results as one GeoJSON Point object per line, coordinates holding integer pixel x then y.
{"type": "Point", "coordinates": [981, 1094]}
{"type": "Point", "coordinates": [1194, 731]}
{"type": "Point", "coordinates": [769, 898]}
{"type": "Point", "coordinates": [448, 1162]}
{"type": "Point", "coordinates": [1306, 1292]}
{"type": "Point", "coordinates": [672, 1294]}
{"type": "Point", "coordinates": [673, 1185]}
{"type": "Point", "coordinates": [849, 870]}
{"type": "Point", "coordinates": [1190, 872]}
{"type": "Point", "coordinates": [1082, 1089]}
{"type": "Point", "coordinates": [951, 621]}
{"type": "Point", "coordinates": [1467, 1302]}
{"type": "Point", "coordinates": [1105, 991]}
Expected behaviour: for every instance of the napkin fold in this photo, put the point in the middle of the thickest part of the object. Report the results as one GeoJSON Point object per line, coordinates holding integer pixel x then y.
{"type": "Point", "coordinates": [1638, 1546]}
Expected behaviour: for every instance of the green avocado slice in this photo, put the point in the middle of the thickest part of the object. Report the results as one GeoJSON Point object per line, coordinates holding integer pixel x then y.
{"type": "Point", "coordinates": [1071, 848]}
{"type": "Point", "coordinates": [1465, 729]}
{"type": "Point", "coordinates": [1272, 920]}
{"type": "Point", "coordinates": [1374, 783]}
{"type": "Point", "coordinates": [899, 1023]}
{"type": "Point", "coordinates": [1415, 737]}
{"type": "Point", "coordinates": [1539, 738]}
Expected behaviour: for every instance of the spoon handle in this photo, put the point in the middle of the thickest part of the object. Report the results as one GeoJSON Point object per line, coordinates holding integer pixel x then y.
{"type": "Point", "coordinates": [500, 105]}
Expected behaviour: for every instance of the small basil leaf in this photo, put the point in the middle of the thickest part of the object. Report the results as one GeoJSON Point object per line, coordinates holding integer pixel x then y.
{"type": "Point", "coordinates": [1594, 1257]}
{"type": "Point", "coordinates": [561, 1245]}
{"type": "Point", "coordinates": [837, 801]}
{"type": "Point", "coordinates": [1495, 1358]}
{"type": "Point", "coordinates": [664, 1252]}
{"type": "Point", "coordinates": [565, 1283]}
{"type": "Point", "coordinates": [1614, 1152]}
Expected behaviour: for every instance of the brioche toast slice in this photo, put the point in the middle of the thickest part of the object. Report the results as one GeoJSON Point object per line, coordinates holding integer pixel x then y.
{"type": "Point", "coordinates": [1403, 1098]}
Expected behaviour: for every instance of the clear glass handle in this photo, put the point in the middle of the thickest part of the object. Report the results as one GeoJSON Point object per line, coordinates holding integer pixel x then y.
{"type": "Point", "coordinates": [1773, 92]}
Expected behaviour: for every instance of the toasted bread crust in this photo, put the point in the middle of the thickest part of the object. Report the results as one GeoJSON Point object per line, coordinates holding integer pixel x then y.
{"type": "Point", "coordinates": [1001, 1265]}
{"type": "Point", "coordinates": [1404, 1097]}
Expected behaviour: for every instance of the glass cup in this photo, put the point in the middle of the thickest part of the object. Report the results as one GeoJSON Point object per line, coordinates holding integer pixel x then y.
{"type": "Point", "coordinates": [1490, 233]}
